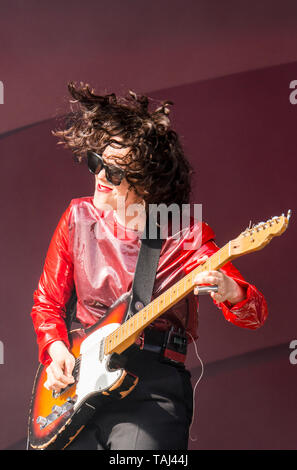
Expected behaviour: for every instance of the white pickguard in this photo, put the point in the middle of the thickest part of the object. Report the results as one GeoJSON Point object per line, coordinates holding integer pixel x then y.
{"type": "Point", "coordinates": [93, 374]}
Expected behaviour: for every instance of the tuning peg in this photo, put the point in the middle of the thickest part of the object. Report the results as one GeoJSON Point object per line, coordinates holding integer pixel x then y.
{"type": "Point", "coordinates": [57, 409]}
{"type": "Point", "coordinates": [42, 421]}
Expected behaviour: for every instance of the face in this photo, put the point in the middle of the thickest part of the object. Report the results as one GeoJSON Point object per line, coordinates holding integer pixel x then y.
{"type": "Point", "coordinates": [105, 192]}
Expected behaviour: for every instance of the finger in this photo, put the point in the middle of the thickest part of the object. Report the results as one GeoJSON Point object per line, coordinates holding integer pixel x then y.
{"type": "Point", "coordinates": [51, 383]}
{"type": "Point", "coordinates": [69, 365]}
{"type": "Point", "coordinates": [206, 279]}
{"type": "Point", "coordinates": [218, 277]}
{"type": "Point", "coordinates": [50, 386]}
{"type": "Point", "coordinates": [218, 297]}
{"type": "Point", "coordinates": [216, 274]}
{"type": "Point", "coordinates": [59, 375]}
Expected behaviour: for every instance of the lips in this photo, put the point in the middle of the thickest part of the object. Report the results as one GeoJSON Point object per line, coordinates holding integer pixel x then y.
{"type": "Point", "coordinates": [103, 189]}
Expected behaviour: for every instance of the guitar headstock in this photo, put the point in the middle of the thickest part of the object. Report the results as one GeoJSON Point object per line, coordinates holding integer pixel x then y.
{"type": "Point", "coordinates": [259, 235]}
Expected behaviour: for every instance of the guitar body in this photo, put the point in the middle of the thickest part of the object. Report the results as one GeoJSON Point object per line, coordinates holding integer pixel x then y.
{"type": "Point", "coordinates": [55, 419]}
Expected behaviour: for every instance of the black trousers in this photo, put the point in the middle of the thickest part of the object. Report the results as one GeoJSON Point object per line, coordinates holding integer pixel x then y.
{"type": "Point", "coordinates": [156, 415]}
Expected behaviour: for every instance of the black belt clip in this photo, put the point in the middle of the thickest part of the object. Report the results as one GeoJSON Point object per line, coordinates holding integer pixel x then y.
{"type": "Point", "coordinates": [175, 345]}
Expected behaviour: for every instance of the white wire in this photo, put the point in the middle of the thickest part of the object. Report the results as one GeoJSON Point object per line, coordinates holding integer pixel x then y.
{"type": "Point", "coordinates": [194, 390]}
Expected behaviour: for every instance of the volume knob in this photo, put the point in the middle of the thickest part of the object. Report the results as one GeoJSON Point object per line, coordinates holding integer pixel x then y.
{"type": "Point", "coordinates": [42, 421]}
{"type": "Point", "coordinates": [57, 409]}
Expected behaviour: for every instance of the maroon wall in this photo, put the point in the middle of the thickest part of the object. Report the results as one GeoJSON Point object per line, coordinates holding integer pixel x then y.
{"type": "Point", "coordinates": [240, 135]}
{"type": "Point", "coordinates": [239, 131]}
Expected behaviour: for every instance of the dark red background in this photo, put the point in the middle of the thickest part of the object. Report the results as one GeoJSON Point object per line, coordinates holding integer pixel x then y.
{"type": "Point", "coordinates": [228, 72]}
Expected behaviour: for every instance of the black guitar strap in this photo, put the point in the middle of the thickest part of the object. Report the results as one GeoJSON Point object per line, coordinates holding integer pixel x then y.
{"type": "Point", "coordinates": [146, 267]}
{"type": "Point", "coordinates": [71, 309]}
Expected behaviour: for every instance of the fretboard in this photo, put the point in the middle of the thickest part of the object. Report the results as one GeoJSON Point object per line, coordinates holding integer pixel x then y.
{"type": "Point", "coordinates": [126, 334]}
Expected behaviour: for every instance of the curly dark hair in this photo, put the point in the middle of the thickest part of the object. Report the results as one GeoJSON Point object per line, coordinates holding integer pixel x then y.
{"type": "Point", "coordinates": [155, 167]}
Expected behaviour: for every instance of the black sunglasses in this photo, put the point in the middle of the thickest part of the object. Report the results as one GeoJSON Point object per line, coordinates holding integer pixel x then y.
{"type": "Point", "coordinates": [114, 174]}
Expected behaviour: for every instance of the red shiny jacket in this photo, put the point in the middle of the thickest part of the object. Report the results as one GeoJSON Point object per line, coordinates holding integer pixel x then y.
{"type": "Point", "coordinates": [87, 251]}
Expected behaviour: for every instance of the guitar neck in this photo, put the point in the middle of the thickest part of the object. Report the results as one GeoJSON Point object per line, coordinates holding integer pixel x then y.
{"type": "Point", "coordinates": [128, 332]}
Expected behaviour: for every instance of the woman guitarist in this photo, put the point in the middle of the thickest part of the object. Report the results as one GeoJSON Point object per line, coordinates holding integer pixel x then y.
{"type": "Point", "coordinates": [137, 159]}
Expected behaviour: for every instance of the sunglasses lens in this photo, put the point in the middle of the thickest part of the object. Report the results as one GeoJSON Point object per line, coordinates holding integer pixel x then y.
{"type": "Point", "coordinates": [114, 175]}
{"type": "Point", "coordinates": [94, 162]}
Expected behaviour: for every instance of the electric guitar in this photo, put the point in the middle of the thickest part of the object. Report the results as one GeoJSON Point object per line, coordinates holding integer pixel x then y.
{"type": "Point", "coordinates": [56, 418]}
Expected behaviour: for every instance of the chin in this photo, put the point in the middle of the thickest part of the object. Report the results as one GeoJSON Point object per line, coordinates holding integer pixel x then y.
{"type": "Point", "coordinates": [103, 199]}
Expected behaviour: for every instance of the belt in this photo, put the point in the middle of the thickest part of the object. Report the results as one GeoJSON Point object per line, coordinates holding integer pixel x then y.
{"type": "Point", "coordinates": [171, 345]}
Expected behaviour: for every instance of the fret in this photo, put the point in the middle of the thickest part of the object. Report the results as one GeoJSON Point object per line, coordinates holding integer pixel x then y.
{"type": "Point", "coordinates": [116, 336]}
{"type": "Point", "coordinates": [140, 319]}
{"type": "Point", "coordinates": [120, 334]}
{"type": "Point", "coordinates": [181, 286]}
{"type": "Point", "coordinates": [119, 338]}
{"type": "Point", "coordinates": [190, 280]}
{"type": "Point", "coordinates": [174, 292]}
{"type": "Point", "coordinates": [111, 342]}
{"type": "Point", "coordinates": [123, 331]}
{"type": "Point", "coordinates": [134, 321]}
{"type": "Point", "coordinates": [167, 298]}
{"type": "Point", "coordinates": [155, 311]}
{"type": "Point", "coordinates": [144, 317]}
{"type": "Point", "coordinates": [150, 310]}
{"type": "Point", "coordinates": [161, 302]}
{"type": "Point", "coordinates": [114, 343]}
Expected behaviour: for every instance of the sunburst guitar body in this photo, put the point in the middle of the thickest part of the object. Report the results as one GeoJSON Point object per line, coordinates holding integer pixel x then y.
{"type": "Point", "coordinates": [56, 418]}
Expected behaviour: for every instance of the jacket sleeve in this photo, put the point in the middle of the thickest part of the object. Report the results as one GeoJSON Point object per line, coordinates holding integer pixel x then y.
{"type": "Point", "coordinates": [250, 312]}
{"type": "Point", "coordinates": [53, 292]}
